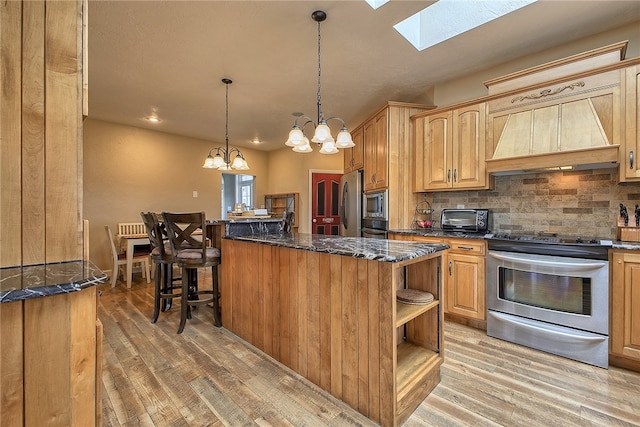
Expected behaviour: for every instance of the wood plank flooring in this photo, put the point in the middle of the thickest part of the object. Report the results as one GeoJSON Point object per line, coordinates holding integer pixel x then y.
{"type": "Point", "coordinates": [208, 377]}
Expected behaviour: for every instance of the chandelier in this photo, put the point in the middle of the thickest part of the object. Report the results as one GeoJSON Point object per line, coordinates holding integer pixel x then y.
{"type": "Point", "coordinates": [322, 135]}
{"type": "Point", "coordinates": [222, 159]}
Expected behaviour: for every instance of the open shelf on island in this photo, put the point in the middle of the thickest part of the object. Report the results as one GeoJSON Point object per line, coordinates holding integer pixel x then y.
{"type": "Point", "coordinates": [413, 362]}
{"type": "Point", "coordinates": [406, 312]}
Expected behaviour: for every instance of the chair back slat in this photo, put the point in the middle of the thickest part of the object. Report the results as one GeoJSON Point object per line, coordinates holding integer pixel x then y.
{"type": "Point", "coordinates": [185, 230]}
{"type": "Point", "coordinates": [131, 228]}
{"type": "Point", "coordinates": [114, 251]}
{"type": "Point", "coordinates": [153, 229]}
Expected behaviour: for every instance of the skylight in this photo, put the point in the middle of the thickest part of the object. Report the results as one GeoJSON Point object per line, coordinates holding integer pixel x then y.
{"type": "Point", "coordinates": [446, 19]}
{"type": "Point", "coordinates": [376, 3]}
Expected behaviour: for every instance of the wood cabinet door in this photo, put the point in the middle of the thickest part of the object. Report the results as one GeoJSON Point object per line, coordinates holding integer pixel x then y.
{"type": "Point", "coordinates": [465, 286]}
{"type": "Point", "coordinates": [625, 305]}
{"type": "Point", "coordinates": [468, 158]}
{"type": "Point", "coordinates": [382, 150]}
{"type": "Point", "coordinates": [436, 144]}
{"type": "Point", "coordinates": [629, 169]}
{"type": "Point", "coordinates": [369, 179]}
{"type": "Point", "coordinates": [354, 157]}
{"type": "Point", "coordinates": [376, 151]}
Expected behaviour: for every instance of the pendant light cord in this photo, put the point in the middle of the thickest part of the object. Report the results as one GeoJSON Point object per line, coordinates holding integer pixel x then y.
{"type": "Point", "coordinates": [320, 114]}
{"type": "Point", "coordinates": [226, 124]}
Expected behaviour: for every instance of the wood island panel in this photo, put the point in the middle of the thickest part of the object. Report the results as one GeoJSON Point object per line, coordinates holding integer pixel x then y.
{"type": "Point", "coordinates": [332, 319]}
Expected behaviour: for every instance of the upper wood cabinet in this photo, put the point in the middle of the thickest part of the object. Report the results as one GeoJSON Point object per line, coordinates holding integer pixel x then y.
{"type": "Point", "coordinates": [449, 149]}
{"type": "Point", "coordinates": [376, 141]}
{"type": "Point", "coordinates": [387, 157]}
{"type": "Point", "coordinates": [354, 157]}
{"type": "Point", "coordinates": [629, 169]}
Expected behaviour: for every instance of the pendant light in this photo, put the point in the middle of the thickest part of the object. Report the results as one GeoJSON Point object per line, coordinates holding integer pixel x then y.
{"type": "Point", "coordinates": [222, 159]}
{"type": "Point", "coordinates": [322, 133]}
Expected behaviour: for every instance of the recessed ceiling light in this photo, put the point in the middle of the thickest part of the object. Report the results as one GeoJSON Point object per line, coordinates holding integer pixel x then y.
{"type": "Point", "coordinates": [153, 117]}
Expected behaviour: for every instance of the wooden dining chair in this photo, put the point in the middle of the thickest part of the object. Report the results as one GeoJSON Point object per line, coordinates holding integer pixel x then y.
{"type": "Point", "coordinates": [120, 260]}
{"type": "Point", "coordinates": [187, 233]}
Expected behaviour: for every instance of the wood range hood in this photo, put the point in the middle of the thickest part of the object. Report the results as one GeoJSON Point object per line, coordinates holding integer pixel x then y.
{"type": "Point", "coordinates": [563, 115]}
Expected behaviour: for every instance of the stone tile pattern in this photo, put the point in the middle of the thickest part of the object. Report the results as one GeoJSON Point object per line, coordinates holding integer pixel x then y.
{"type": "Point", "coordinates": [572, 203]}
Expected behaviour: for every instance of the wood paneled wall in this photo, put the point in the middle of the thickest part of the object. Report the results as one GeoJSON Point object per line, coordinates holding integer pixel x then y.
{"type": "Point", "coordinates": [41, 131]}
{"type": "Point", "coordinates": [48, 346]}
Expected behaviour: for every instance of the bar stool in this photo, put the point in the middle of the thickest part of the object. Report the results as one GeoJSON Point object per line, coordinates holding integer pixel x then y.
{"type": "Point", "coordinates": [165, 290]}
{"type": "Point", "coordinates": [187, 239]}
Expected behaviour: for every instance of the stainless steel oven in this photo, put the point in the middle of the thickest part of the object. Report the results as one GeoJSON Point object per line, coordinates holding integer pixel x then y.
{"type": "Point", "coordinates": [374, 228]}
{"type": "Point", "coordinates": [550, 295]}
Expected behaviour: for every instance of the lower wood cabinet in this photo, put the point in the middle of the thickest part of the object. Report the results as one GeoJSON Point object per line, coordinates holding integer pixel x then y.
{"type": "Point", "coordinates": [624, 311]}
{"type": "Point", "coordinates": [464, 278]}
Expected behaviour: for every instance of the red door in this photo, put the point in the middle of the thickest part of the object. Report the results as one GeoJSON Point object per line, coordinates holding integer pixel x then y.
{"type": "Point", "coordinates": [325, 196]}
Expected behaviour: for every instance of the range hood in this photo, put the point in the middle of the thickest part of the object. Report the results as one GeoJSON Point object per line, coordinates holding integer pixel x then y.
{"type": "Point", "coordinates": [566, 115]}
{"type": "Point", "coordinates": [556, 137]}
{"type": "Point", "coordinates": [596, 158]}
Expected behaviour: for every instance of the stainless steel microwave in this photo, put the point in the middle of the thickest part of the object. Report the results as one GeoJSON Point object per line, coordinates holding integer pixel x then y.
{"type": "Point", "coordinates": [375, 205]}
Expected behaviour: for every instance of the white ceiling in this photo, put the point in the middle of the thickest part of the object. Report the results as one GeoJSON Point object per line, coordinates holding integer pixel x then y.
{"type": "Point", "coordinates": [172, 55]}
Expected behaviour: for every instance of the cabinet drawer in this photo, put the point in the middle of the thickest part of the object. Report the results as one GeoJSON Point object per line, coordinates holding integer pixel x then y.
{"type": "Point", "coordinates": [426, 239]}
{"type": "Point", "coordinates": [467, 246]}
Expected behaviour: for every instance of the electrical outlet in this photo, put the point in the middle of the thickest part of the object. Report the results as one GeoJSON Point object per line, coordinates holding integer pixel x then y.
{"type": "Point", "coordinates": [195, 194]}
{"type": "Point", "coordinates": [460, 206]}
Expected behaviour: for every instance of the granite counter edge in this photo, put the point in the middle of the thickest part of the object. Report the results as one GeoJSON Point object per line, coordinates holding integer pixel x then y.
{"type": "Point", "coordinates": [43, 280]}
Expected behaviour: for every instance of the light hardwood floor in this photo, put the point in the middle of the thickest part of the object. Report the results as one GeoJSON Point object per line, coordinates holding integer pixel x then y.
{"type": "Point", "coordinates": [208, 377]}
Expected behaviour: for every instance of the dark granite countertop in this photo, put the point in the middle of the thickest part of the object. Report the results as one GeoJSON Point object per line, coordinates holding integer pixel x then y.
{"type": "Point", "coordinates": [632, 246]}
{"type": "Point", "coordinates": [34, 281]}
{"type": "Point", "coordinates": [430, 232]}
{"type": "Point", "coordinates": [616, 244]}
{"type": "Point", "coordinates": [243, 219]}
{"type": "Point", "coordinates": [359, 247]}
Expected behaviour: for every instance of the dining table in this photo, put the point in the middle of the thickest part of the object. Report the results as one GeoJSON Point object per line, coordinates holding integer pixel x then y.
{"type": "Point", "coordinates": [129, 242]}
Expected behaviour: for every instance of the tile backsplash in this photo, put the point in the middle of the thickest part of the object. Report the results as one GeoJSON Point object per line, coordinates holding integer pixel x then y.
{"type": "Point", "coordinates": [574, 203]}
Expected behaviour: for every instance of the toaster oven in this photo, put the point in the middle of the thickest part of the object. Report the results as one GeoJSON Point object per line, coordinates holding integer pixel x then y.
{"type": "Point", "coordinates": [465, 220]}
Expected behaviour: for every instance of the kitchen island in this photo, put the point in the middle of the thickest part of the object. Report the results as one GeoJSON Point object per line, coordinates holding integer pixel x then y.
{"type": "Point", "coordinates": [51, 342]}
{"type": "Point", "coordinates": [325, 306]}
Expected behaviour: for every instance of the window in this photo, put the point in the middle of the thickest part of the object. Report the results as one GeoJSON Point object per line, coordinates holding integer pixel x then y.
{"type": "Point", "coordinates": [237, 188]}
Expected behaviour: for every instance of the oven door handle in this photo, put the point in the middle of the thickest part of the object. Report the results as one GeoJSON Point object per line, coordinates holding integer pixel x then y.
{"type": "Point", "coordinates": [570, 265]}
{"type": "Point", "coordinates": [374, 231]}
{"type": "Point", "coordinates": [533, 325]}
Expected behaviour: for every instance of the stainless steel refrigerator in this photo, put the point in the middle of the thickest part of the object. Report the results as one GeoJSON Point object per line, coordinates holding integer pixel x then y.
{"type": "Point", "coordinates": [351, 204]}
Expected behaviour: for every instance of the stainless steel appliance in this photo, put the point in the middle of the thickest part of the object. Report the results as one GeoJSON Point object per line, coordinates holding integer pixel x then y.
{"type": "Point", "coordinates": [374, 228]}
{"type": "Point", "coordinates": [551, 294]}
{"type": "Point", "coordinates": [374, 220]}
{"type": "Point", "coordinates": [351, 204]}
{"type": "Point", "coordinates": [375, 205]}
{"type": "Point", "coordinates": [465, 220]}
